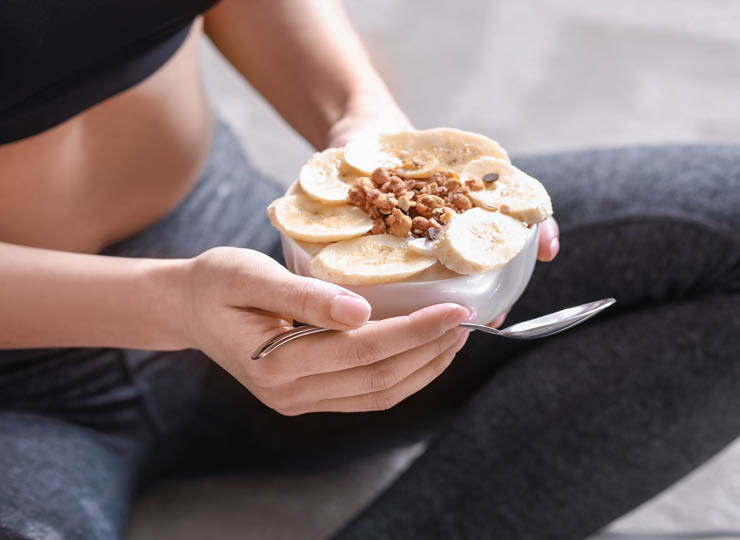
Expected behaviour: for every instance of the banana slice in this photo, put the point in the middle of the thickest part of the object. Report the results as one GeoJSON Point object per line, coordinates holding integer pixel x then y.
{"type": "Point", "coordinates": [479, 240]}
{"type": "Point", "coordinates": [421, 166]}
{"type": "Point", "coordinates": [379, 258]}
{"type": "Point", "coordinates": [326, 177]}
{"type": "Point", "coordinates": [302, 218]}
{"type": "Point", "coordinates": [508, 190]}
{"type": "Point", "coordinates": [452, 148]}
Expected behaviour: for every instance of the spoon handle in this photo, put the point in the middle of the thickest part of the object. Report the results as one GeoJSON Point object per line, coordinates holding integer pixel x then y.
{"type": "Point", "coordinates": [281, 339]}
{"type": "Point", "coordinates": [482, 328]}
{"type": "Point", "coordinates": [294, 333]}
{"type": "Point", "coordinates": [544, 326]}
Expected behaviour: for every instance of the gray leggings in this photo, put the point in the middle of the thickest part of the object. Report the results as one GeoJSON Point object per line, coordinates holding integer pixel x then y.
{"type": "Point", "coordinates": [544, 440]}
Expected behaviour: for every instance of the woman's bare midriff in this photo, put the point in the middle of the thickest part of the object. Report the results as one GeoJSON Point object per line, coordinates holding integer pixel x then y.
{"type": "Point", "coordinates": [112, 170]}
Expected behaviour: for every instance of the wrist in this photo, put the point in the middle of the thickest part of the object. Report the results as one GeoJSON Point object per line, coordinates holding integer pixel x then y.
{"type": "Point", "coordinates": [165, 284]}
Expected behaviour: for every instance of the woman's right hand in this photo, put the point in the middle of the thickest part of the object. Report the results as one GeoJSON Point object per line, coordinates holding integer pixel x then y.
{"type": "Point", "coordinates": [235, 299]}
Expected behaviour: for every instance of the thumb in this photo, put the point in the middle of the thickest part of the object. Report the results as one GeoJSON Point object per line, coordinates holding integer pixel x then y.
{"type": "Point", "coordinates": [309, 300]}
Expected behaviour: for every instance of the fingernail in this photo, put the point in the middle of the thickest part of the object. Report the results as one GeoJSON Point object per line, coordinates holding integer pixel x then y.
{"type": "Point", "coordinates": [498, 321]}
{"type": "Point", "coordinates": [473, 314]}
{"type": "Point", "coordinates": [554, 248]}
{"type": "Point", "coordinates": [459, 315]}
{"type": "Point", "coordinates": [349, 310]}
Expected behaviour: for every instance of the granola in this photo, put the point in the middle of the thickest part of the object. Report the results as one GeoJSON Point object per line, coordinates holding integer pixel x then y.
{"type": "Point", "coordinates": [403, 206]}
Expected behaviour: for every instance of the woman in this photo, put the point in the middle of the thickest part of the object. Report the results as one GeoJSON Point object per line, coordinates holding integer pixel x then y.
{"type": "Point", "coordinates": [127, 337]}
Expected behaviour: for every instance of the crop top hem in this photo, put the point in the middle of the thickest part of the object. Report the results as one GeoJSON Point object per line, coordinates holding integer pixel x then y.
{"type": "Point", "coordinates": [64, 99]}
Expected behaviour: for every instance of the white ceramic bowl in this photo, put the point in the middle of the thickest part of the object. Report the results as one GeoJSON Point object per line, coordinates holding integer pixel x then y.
{"type": "Point", "coordinates": [490, 293]}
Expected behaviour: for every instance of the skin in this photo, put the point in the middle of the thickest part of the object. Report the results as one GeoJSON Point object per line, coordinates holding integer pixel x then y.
{"type": "Point", "coordinates": [119, 166]}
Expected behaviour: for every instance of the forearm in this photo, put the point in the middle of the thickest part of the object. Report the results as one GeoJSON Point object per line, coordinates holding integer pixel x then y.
{"type": "Point", "coordinates": [58, 299]}
{"type": "Point", "coordinates": [303, 56]}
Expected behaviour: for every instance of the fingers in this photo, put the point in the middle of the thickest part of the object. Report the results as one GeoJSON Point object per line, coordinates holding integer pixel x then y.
{"type": "Point", "coordinates": [335, 351]}
{"type": "Point", "coordinates": [385, 399]}
{"type": "Point", "coordinates": [273, 288]}
{"type": "Point", "coordinates": [549, 240]}
{"type": "Point", "coordinates": [374, 377]}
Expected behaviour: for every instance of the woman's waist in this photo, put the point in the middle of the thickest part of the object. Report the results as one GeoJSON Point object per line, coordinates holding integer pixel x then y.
{"type": "Point", "coordinates": [86, 184]}
{"type": "Point", "coordinates": [85, 202]}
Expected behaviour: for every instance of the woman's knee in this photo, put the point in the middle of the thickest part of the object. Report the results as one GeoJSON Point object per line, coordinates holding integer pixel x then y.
{"type": "Point", "coordinates": [699, 183]}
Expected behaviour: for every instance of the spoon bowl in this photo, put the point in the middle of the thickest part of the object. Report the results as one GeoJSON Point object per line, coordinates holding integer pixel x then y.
{"type": "Point", "coordinates": [547, 325]}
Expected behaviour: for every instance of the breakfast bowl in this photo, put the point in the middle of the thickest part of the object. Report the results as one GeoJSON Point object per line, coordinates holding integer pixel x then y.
{"type": "Point", "coordinates": [415, 218]}
{"type": "Point", "coordinates": [490, 293]}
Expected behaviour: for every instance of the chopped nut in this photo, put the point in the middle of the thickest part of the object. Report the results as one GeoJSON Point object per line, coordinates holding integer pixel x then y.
{"type": "Point", "coordinates": [423, 210]}
{"type": "Point", "coordinates": [410, 184]}
{"type": "Point", "coordinates": [405, 202]}
{"type": "Point", "coordinates": [420, 224]}
{"type": "Point", "coordinates": [475, 184]}
{"type": "Point", "coordinates": [385, 188]}
{"type": "Point", "coordinates": [452, 184]}
{"type": "Point", "coordinates": [385, 203]}
{"type": "Point", "coordinates": [372, 194]}
{"type": "Point", "coordinates": [356, 197]}
{"type": "Point", "coordinates": [433, 201]}
{"type": "Point", "coordinates": [364, 183]}
{"type": "Point", "coordinates": [461, 201]}
{"type": "Point", "coordinates": [432, 187]}
{"type": "Point", "coordinates": [397, 186]}
{"type": "Point", "coordinates": [378, 226]}
{"type": "Point", "coordinates": [441, 191]}
{"type": "Point", "coordinates": [398, 223]}
{"type": "Point", "coordinates": [446, 216]}
{"type": "Point", "coordinates": [432, 233]}
{"type": "Point", "coordinates": [380, 176]}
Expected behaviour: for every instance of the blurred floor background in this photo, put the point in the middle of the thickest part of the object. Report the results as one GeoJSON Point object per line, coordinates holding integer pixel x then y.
{"type": "Point", "coordinates": [537, 75]}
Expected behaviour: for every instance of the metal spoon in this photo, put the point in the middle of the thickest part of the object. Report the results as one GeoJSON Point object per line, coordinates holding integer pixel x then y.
{"type": "Point", "coordinates": [544, 326]}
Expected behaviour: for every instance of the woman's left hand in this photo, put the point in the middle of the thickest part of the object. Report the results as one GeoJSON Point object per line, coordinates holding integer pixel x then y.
{"type": "Point", "coordinates": [389, 118]}
{"type": "Point", "coordinates": [367, 119]}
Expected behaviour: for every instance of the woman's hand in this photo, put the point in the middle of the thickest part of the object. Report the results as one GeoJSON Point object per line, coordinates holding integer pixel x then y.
{"type": "Point", "coordinates": [238, 298]}
{"type": "Point", "coordinates": [372, 116]}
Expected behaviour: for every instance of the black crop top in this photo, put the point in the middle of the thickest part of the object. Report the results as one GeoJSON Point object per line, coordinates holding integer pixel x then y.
{"type": "Point", "coordinates": [59, 58]}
